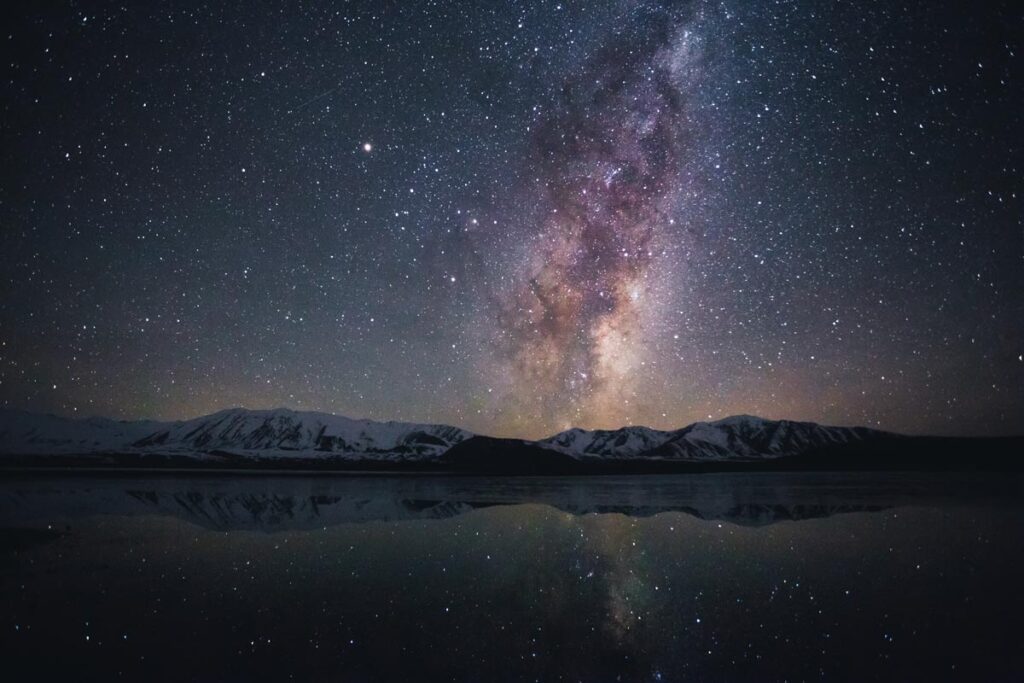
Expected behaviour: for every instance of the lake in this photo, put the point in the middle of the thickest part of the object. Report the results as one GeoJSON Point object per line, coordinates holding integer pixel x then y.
{"type": "Point", "coordinates": [724, 577]}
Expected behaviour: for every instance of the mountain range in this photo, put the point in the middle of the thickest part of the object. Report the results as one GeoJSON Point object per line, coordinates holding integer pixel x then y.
{"type": "Point", "coordinates": [282, 438]}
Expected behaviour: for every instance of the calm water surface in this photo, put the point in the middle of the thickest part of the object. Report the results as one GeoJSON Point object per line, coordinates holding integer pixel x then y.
{"type": "Point", "coordinates": [754, 577]}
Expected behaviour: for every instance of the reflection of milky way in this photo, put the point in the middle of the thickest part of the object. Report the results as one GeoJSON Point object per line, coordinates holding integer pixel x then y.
{"type": "Point", "coordinates": [611, 155]}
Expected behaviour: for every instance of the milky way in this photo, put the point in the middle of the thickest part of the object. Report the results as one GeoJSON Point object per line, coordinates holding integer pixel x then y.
{"type": "Point", "coordinates": [514, 217]}
{"type": "Point", "coordinates": [611, 153]}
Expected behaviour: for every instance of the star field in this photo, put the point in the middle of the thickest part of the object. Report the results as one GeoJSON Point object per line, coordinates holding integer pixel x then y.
{"type": "Point", "coordinates": [516, 216]}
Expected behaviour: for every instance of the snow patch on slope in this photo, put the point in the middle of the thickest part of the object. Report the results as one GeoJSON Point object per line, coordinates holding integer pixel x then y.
{"type": "Point", "coordinates": [627, 442]}
{"type": "Point", "coordinates": [26, 433]}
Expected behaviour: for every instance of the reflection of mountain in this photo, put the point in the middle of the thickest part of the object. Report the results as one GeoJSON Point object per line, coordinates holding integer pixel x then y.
{"type": "Point", "coordinates": [258, 512]}
{"type": "Point", "coordinates": [270, 513]}
{"type": "Point", "coordinates": [276, 504]}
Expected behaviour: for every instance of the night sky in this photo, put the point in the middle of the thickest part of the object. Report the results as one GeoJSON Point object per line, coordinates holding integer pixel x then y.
{"type": "Point", "coordinates": [516, 216]}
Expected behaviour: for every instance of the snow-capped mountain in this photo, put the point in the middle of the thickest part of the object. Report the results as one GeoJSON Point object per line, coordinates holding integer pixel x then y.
{"type": "Point", "coordinates": [283, 438]}
{"type": "Point", "coordinates": [266, 433]}
{"type": "Point", "coordinates": [287, 430]}
{"type": "Point", "coordinates": [745, 437]}
{"type": "Point", "coordinates": [730, 443]}
{"type": "Point", "coordinates": [741, 437]}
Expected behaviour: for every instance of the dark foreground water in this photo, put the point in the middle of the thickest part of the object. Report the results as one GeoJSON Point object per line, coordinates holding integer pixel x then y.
{"type": "Point", "coordinates": [754, 577]}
